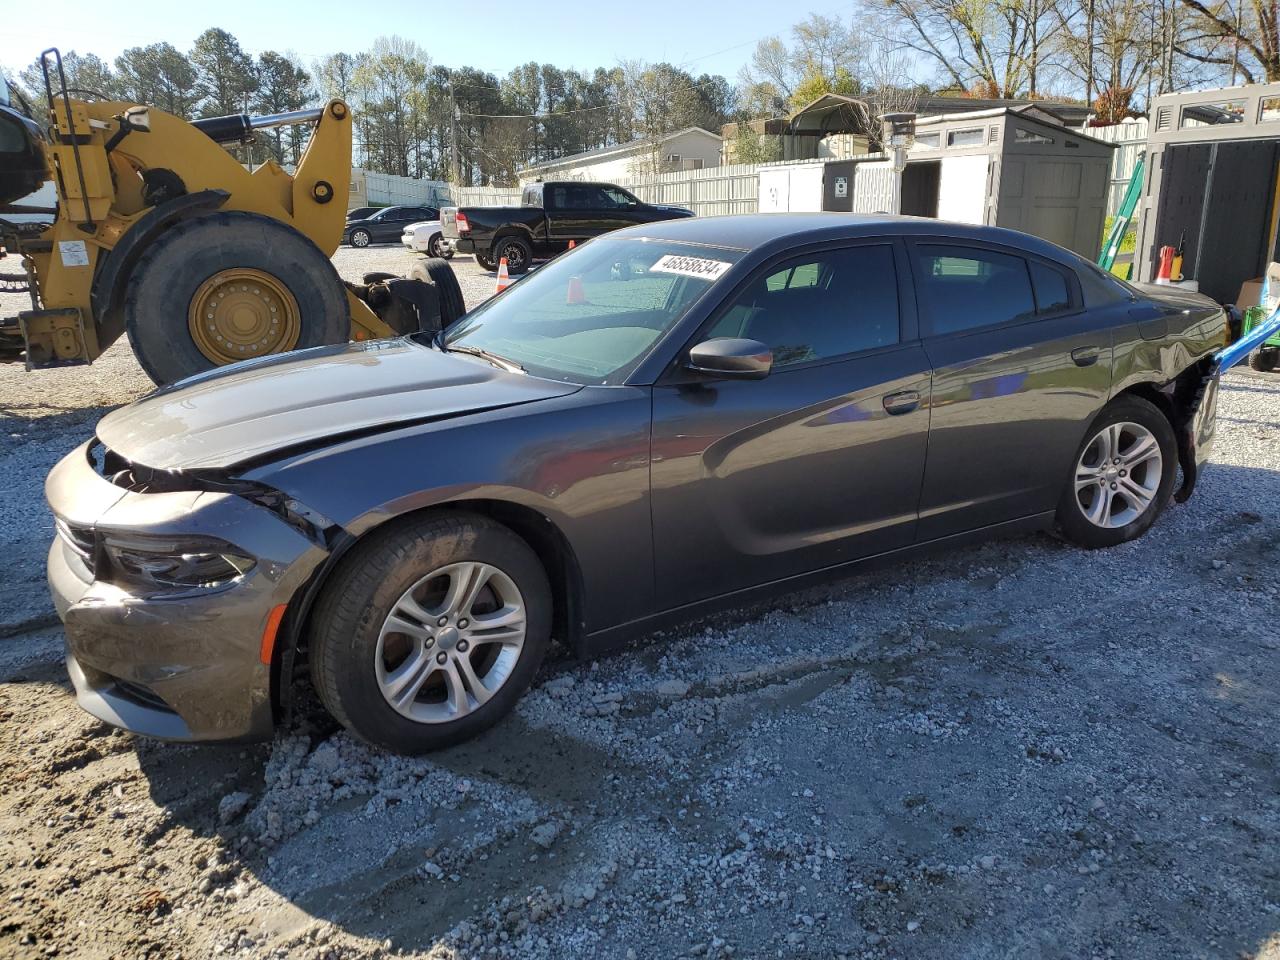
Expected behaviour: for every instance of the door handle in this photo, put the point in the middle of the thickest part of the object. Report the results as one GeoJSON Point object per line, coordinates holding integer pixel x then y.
{"type": "Point", "coordinates": [1085, 356]}
{"type": "Point", "coordinates": [904, 402]}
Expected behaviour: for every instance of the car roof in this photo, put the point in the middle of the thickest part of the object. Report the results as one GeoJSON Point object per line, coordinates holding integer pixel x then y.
{"type": "Point", "coordinates": [753, 231]}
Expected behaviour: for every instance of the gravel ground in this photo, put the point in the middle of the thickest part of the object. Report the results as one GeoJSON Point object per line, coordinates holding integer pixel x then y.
{"type": "Point", "coordinates": [1013, 750]}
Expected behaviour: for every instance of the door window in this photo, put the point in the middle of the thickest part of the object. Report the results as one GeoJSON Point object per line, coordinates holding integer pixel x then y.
{"type": "Point", "coordinates": [963, 288]}
{"type": "Point", "coordinates": [819, 306]}
{"type": "Point", "coordinates": [619, 199]}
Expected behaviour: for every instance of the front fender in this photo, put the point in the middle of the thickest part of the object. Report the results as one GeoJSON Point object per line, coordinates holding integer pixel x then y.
{"type": "Point", "coordinates": [580, 460]}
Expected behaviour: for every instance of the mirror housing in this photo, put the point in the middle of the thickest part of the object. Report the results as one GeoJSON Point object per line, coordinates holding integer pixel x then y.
{"type": "Point", "coordinates": [731, 358]}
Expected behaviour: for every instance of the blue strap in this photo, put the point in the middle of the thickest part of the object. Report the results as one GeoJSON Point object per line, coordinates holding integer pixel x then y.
{"type": "Point", "coordinates": [1230, 356]}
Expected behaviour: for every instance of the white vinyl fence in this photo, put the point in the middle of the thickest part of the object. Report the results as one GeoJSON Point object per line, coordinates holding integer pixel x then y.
{"type": "Point", "coordinates": [486, 196]}
{"type": "Point", "coordinates": [1131, 137]}
{"type": "Point", "coordinates": [712, 191]}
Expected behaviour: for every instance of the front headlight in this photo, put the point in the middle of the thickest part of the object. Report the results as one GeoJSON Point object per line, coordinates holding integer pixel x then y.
{"type": "Point", "coordinates": [185, 563]}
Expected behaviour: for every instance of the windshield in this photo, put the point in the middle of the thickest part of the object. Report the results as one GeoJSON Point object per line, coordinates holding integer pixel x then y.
{"type": "Point", "coordinates": [592, 316]}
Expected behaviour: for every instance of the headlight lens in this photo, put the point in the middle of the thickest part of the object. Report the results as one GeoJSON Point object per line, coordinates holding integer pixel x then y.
{"type": "Point", "coordinates": [185, 563]}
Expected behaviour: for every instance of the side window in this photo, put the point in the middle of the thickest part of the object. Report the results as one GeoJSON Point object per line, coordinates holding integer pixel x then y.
{"type": "Point", "coordinates": [579, 198]}
{"type": "Point", "coordinates": [819, 305]}
{"type": "Point", "coordinates": [1052, 291]}
{"type": "Point", "coordinates": [963, 288]}
{"type": "Point", "coordinates": [617, 198]}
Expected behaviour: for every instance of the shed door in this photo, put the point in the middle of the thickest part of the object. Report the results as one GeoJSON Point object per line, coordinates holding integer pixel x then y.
{"type": "Point", "coordinates": [775, 190]}
{"type": "Point", "coordinates": [962, 192]}
{"type": "Point", "coordinates": [806, 189]}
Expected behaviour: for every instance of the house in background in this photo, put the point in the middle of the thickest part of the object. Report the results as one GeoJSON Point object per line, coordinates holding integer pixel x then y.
{"type": "Point", "coordinates": [692, 148]}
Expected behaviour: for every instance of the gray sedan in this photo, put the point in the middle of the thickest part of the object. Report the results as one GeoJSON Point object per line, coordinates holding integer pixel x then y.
{"type": "Point", "coordinates": [671, 419]}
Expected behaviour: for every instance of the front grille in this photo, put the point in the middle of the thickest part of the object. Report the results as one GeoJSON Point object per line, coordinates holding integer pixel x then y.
{"type": "Point", "coordinates": [79, 539]}
{"type": "Point", "coordinates": [143, 696]}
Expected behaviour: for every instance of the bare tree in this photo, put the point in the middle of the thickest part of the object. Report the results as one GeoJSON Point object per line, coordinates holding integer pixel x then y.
{"type": "Point", "coordinates": [1244, 34]}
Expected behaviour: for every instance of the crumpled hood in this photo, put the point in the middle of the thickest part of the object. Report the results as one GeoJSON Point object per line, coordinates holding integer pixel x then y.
{"type": "Point", "coordinates": [249, 410]}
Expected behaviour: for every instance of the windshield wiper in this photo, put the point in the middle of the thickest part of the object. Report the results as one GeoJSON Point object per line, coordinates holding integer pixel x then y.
{"type": "Point", "coordinates": [509, 365]}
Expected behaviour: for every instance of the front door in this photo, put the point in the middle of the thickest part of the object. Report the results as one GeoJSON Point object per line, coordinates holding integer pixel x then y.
{"type": "Point", "coordinates": [818, 463]}
{"type": "Point", "coordinates": [1019, 370]}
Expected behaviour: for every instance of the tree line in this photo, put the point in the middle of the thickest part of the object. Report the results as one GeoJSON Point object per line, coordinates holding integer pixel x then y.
{"type": "Point", "coordinates": [418, 118]}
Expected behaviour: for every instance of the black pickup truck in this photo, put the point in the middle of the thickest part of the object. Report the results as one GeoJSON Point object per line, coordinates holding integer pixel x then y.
{"type": "Point", "coordinates": [549, 216]}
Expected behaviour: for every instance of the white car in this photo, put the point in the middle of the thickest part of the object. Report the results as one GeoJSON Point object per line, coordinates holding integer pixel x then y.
{"type": "Point", "coordinates": [425, 236]}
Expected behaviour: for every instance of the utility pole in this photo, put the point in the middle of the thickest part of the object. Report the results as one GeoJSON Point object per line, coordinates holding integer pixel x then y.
{"type": "Point", "coordinates": [455, 162]}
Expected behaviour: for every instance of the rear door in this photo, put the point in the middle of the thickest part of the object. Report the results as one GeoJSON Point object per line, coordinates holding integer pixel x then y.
{"type": "Point", "coordinates": [817, 464]}
{"type": "Point", "coordinates": [1019, 370]}
{"type": "Point", "coordinates": [580, 211]}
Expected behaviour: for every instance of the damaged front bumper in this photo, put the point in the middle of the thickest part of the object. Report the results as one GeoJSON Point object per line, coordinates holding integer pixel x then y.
{"type": "Point", "coordinates": [179, 662]}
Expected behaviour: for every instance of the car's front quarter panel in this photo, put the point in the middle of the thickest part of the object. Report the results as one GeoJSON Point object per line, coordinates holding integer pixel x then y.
{"type": "Point", "coordinates": [580, 460]}
{"type": "Point", "coordinates": [198, 650]}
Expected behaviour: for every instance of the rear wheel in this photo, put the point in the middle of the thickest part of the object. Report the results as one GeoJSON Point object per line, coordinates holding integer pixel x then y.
{"type": "Point", "coordinates": [517, 251]}
{"type": "Point", "coordinates": [435, 247]}
{"type": "Point", "coordinates": [428, 633]}
{"type": "Point", "coordinates": [360, 238]}
{"type": "Point", "coordinates": [1123, 475]}
{"type": "Point", "coordinates": [486, 263]}
{"type": "Point", "coordinates": [1264, 359]}
{"type": "Point", "coordinates": [230, 286]}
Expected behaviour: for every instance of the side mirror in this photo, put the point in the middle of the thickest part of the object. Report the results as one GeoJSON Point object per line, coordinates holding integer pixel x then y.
{"type": "Point", "coordinates": [732, 358]}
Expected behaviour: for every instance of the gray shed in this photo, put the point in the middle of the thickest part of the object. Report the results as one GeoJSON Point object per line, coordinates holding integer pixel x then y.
{"type": "Point", "coordinates": [1212, 172]}
{"type": "Point", "coordinates": [1015, 167]}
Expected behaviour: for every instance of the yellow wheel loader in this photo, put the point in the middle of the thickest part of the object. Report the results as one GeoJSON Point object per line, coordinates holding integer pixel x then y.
{"type": "Point", "coordinates": [161, 234]}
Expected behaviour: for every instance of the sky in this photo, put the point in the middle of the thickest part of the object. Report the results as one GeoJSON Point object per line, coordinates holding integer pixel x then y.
{"type": "Point", "coordinates": [703, 36]}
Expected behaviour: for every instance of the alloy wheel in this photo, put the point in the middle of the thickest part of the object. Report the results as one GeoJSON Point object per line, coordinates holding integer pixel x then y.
{"type": "Point", "coordinates": [1118, 475]}
{"type": "Point", "coordinates": [450, 642]}
{"type": "Point", "coordinates": [360, 239]}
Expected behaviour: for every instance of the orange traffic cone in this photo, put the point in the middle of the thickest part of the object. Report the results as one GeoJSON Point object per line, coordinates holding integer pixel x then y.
{"type": "Point", "coordinates": [504, 279]}
{"type": "Point", "coordinates": [575, 293]}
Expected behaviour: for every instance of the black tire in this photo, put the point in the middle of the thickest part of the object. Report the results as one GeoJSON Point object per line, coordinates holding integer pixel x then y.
{"type": "Point", "coordinates": [1072, 522]}
{"type": "Point", "coordinates": [439, 273]}
{"type": "Point", "coordinates": [517, 250]}
{"type": "Point", "coordinates": [1264, 359]}
{"type": "Point", "coordinates": [367, 585]}
{"type": "Point", "coordinates": [173, 269]}
{"type": "Point", "coordinates": [486, 263]}
{"type": "Point", "coordinates": [434, 246]}
{"type": "Point", "coordinates": [360, 238]}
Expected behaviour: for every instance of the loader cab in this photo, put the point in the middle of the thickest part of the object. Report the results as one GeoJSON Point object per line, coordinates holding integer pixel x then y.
{"type": "Point", "coordinates": [22, 160]}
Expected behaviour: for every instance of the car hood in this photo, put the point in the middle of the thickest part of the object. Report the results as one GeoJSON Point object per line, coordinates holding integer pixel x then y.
{"type": "Point", "coordinates": [432, 225]}
{"type": "Point", "coordinates": [267, 407]}
{"type": "Point", "coordinates": [669, 208]}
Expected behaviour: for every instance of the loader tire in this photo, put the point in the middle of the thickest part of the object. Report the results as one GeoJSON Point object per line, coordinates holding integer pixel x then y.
{"type": "Point", "coordinates": [230, 286]}
{"type": "Point", "coordinates": [436, 271]}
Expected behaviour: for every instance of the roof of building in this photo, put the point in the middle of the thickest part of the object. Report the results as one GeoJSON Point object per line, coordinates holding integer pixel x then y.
{"type": "Point", "coordinates": [629, 147]}
{"type": "Point", "coordinates": [837, 113]}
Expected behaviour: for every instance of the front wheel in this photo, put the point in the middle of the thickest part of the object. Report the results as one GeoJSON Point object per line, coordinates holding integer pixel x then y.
{"type": "Point", "coordinates": [1122, 478]}
{"type": "Point", "coordinates": [429, 632]}
{"type": "Point", "coordinates": [230, 286]}
{"type": "Point", "coordinates": [486, 263]}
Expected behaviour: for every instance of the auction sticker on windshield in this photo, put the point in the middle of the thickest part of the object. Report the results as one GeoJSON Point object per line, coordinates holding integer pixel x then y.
{"type": "Point", "coordinates": [690, 266]}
